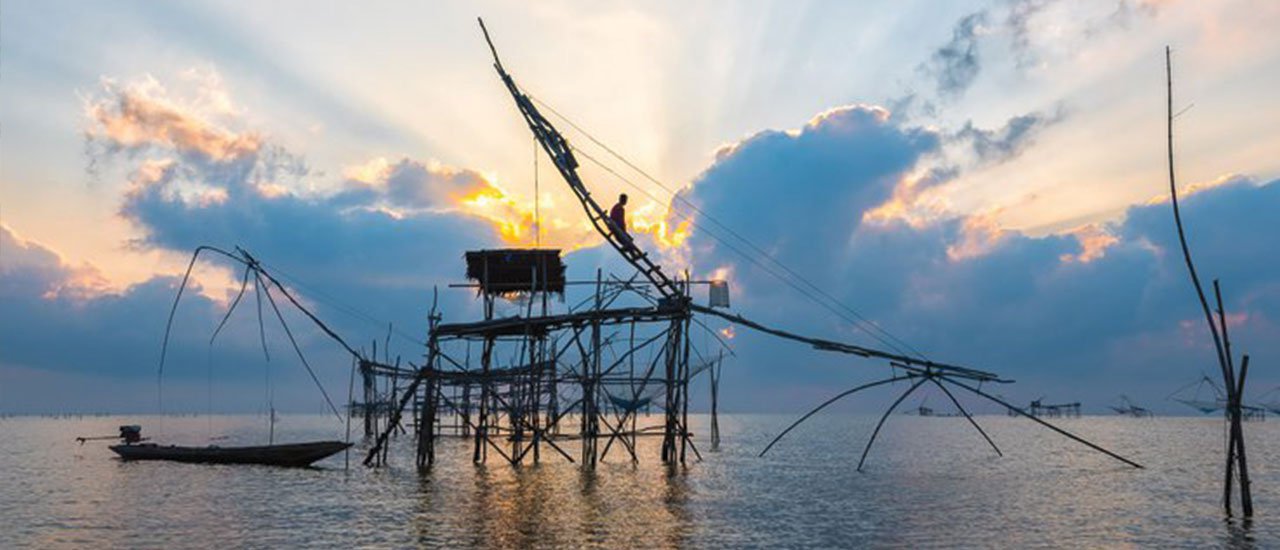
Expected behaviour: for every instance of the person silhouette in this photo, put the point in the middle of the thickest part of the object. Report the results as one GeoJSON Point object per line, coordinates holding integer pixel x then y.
{"type": "Point", "coordinates": [618, 214]}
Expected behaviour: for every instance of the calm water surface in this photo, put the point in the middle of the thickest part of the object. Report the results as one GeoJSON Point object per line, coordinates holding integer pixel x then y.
{"type": "Point", "coordinates": [929, 482]}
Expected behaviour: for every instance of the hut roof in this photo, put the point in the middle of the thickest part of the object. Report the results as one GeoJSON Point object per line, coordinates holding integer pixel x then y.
{"type": "Point", "coordinates": [510, 271]}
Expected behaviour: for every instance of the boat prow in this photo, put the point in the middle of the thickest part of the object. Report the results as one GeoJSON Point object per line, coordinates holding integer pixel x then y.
{"type": "Point", "coordinates": [290, 454]}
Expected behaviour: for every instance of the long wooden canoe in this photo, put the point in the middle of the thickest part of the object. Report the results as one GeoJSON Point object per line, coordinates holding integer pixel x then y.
{"type": "Point", "coordinates": [292, 454]}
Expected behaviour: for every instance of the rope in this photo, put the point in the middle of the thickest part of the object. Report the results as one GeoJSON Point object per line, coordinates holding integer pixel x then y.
{"type": "Point", "coordinates": [342, 307]}
{"type": "Point", "coordinates": [298, 349]}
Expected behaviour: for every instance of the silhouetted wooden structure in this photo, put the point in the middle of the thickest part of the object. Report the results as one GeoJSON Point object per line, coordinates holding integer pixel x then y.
{"type": "Point", "coordinates": [1127, 408]}
{"type": "Point", "coordinates": [539, 378]}
{"type": "Point", "coordinates": [1054, 410]}
{"type": "Point", "coordinates": [532, 383]}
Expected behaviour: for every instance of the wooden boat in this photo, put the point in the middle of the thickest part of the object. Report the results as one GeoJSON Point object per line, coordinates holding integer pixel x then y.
{"type": "Point", "coordinates": [292, 454]}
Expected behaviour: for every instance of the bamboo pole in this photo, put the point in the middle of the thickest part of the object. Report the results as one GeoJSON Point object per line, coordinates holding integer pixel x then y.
{"type": "Point", "coordinates": [885, 416]}
{"type": "Point", "coordinates": [1069, 435]}
{"type": "Point", "coordinates": [824, 404]}
{"type": "Point", "coordinates": [1246, 490]}
{"type": "Point", "coordinates": [1220, 342]}
{"type": "Point", "coordinates": [966, 415]}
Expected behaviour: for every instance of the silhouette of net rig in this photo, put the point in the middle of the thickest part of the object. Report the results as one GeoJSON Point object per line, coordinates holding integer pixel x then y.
{"type": "Point", "coordinates": [544, 380]}
{"type": "Point", "coordinates": [526, 385]}
{"type": "Point", "coordinates": [1207, 396]}
{"type": "Point", "coordinates": [1128, 408]}
{"type": "Point", "coordinates": [1054, 410]}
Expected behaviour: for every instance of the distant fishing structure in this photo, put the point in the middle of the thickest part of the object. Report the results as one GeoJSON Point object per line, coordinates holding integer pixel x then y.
{"type": "Point", "coordinates": [1054, 410]}
{"type": "Point", "coordinates": [924, 411]}
{"type": "Point", "coordinates": [1208, 397]}
{"type": "Point", "coordinates": [1270, 401]}
{"type": "Point", "coordinates": [1127, 408]}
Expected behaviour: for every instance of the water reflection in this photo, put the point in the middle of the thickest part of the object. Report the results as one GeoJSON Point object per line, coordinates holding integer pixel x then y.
{"type": "Point", "coordinates": [675, 499]}
{"type": "Point", "coordinates": [552, 504]}
{"type": "Point", "coordinates": [1239, 534]}
{"type": "Point", "coordinates": [929, 483]}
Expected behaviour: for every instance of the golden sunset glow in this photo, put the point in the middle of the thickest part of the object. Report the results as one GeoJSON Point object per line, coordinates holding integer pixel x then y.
{"type": "Point", "coordinates": [143, 113]}
{"type": "Point", "coordinates": [1094, 242]}
{"type": "Point", "coordinates": [653, 220]}
{"type": "Point", "coordinates": [979, 234]}
{"type": "Point", "coordinates": [514, 221]}
{"type": "Point", "coordinates": [1197, 187]}
{"type": "Point", "coordinates": [911, 203]}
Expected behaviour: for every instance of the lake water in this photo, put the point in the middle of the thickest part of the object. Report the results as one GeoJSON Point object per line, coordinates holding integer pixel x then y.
{"type": "Point", "coordinates": [929, 482]}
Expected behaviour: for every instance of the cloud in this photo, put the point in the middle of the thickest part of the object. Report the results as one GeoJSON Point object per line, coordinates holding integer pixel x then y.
{"type": "Point", "coordinates": [362, 252]}
{"type": "Point", "coordinates": [410, 186]}
{"type": "Point", "coordinates": [1006, 142]}
{"type": "Point", "coordinates": [413, 185]}
{"type": "Point", "coordinates": [187, 146]}
{"type": "Point", "coordinates": [978, 37]}
{"type": "Point", "coordinates": [822, 175]}
{"type": "Point", "coordinates": [915, 199]}
{"type": "Point", "coordinates": [192, 122]}
{"type": "Point", "coordinates": [956, 64]}
{"type": "Point", "coordinates": [72, 345]}
{"type": "Point", "coordinates": [1083, 314]}
{"type": "Point", "coordinates": [366, 252]}
{"type": "Point", "coordinates": [1125, 12]}
{"type": "Point", "coordinates": [56, 316]}
{"type": "Point", "coordinates": [1018, 22]}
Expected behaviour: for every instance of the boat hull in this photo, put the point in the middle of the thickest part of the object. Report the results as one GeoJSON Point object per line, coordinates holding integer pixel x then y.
{"type": "Point", "coordinates": [291, 455]}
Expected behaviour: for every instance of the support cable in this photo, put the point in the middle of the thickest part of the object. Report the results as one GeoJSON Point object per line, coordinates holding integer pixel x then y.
{"type": "Point", "coordinates": [703, 215]}
{"type": "Point", "coordinates": [750, 258]}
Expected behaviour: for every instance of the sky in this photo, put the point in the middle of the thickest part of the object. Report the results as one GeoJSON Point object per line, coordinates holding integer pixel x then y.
{"type": "Point", "coordinates": [986, 181]}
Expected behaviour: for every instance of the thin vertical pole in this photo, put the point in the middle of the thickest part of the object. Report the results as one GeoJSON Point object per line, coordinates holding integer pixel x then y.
{"type": "Point", "coordinates": [684, 374]}
{"type": "Point", "coordinates": [486, 355]}
{"type": "Point", "coordinates": [351, 396]}
{"type": "Point", "coordinates": [591, 368]}
{"type": "Point", "coordinates": [1224, 360]}
{"type": "Point", "coordinates": [715, 396]}
{"type": "Point", "coordinates": [1246, 491]}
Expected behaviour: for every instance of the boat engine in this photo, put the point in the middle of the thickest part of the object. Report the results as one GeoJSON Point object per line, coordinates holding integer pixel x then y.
{"type": "Point", "coordinates": [131, 434]}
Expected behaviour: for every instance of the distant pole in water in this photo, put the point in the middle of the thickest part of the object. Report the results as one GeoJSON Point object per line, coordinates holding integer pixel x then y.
{"type": "Point", "coordinates": [715, 398]}
{"type": "Point", "coordinates": [1218, 329]}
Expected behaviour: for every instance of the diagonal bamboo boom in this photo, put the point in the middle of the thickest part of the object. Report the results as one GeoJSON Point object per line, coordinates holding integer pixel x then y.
{"type": "Point", "coordinates": [1043, 423]}
{"type": "Point", "coordinates": [966, 415]}
{"type": "Point", "coordinates": [901, 361]}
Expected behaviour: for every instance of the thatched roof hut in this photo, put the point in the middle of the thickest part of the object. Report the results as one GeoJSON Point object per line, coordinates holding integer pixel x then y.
{"type": "Point", "coordinates": [512, 271]}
